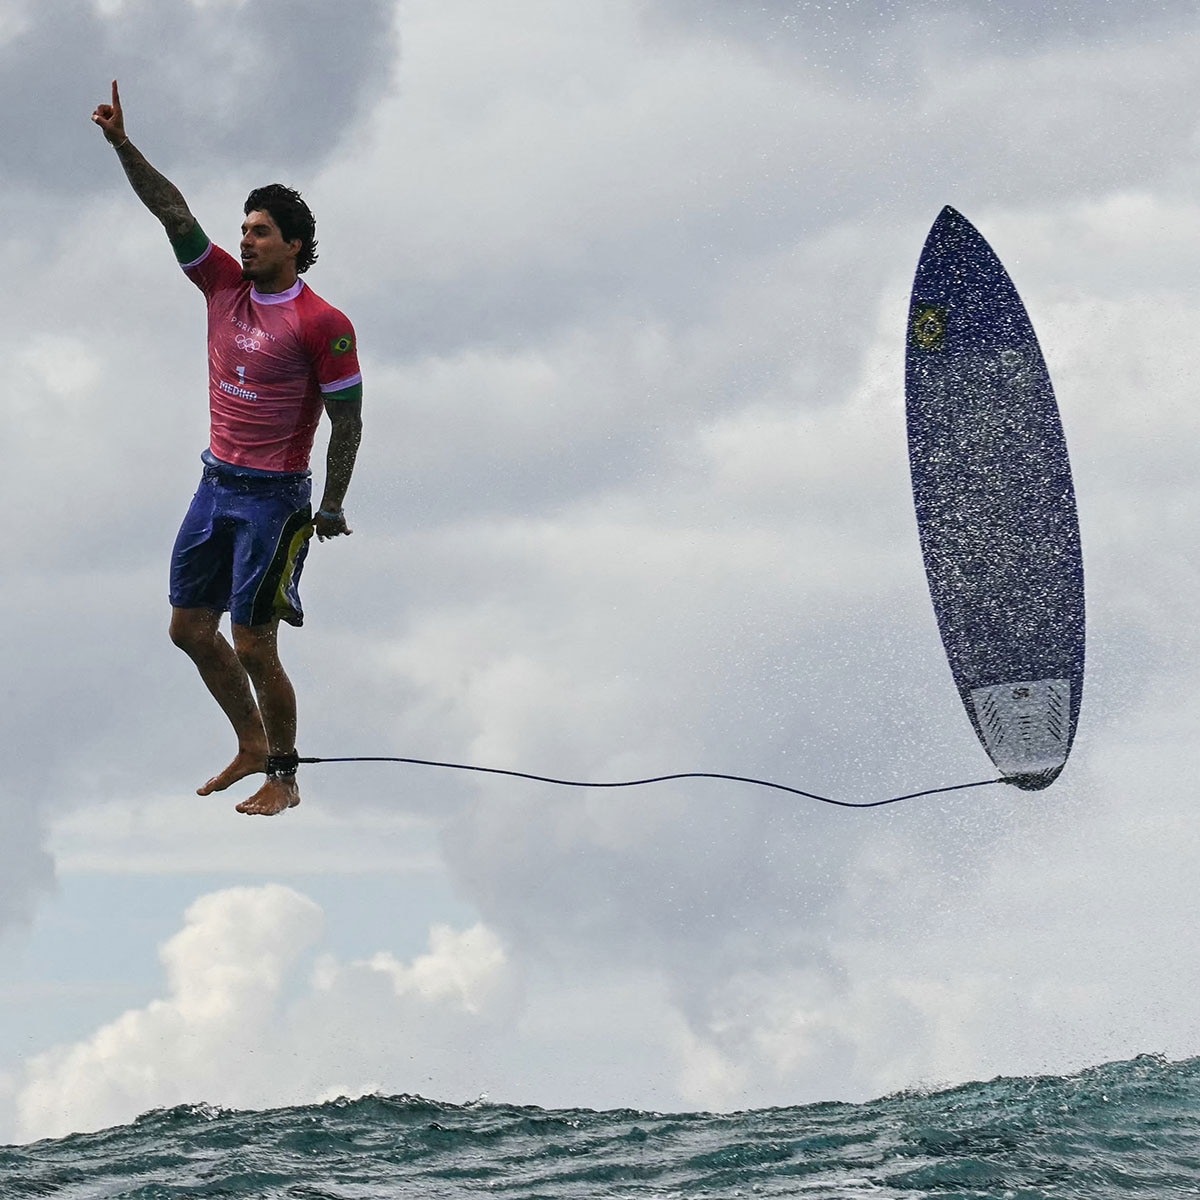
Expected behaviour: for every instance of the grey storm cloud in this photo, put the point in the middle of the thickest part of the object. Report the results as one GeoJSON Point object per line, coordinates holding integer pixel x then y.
{"type": "Point", "coordinates": [843, 33]}
{"type": "Point", "coordinates": [864, 109]}
{"type": "Point", "coordinates": [28, 875]}
{"type": "Point", "coordinates": [276, 82]}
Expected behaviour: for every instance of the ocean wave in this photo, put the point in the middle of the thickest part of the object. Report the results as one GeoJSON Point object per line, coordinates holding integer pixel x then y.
{"type": "Point", "coordinates": [1115, 1130]}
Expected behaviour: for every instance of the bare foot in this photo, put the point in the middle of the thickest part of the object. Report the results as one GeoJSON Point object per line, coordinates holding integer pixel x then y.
{"type": "Point", "coordinates": [247, 762]}
{"type": "Point", "coordinates": [278, 794]}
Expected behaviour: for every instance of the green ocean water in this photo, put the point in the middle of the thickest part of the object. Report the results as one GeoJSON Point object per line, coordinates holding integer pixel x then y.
{"type": "Point", "coordinates": [1125, 1129]}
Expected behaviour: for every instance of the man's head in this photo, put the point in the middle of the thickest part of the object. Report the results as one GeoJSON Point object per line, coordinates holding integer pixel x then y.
{"type": "Point", "coordinates": [293, 217]}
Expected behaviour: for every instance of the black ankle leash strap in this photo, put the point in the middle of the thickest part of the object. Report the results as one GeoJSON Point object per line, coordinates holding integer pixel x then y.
{"type": "Point", "coordinates": [283, 766]}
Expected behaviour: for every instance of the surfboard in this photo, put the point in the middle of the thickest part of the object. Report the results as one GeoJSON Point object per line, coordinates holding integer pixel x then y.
{"type": "Point", "coordinates": [995, 505]}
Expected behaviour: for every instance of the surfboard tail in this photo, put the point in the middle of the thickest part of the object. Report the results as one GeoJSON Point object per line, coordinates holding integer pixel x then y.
{"type": "Point", "coordinates": [1025, 727]}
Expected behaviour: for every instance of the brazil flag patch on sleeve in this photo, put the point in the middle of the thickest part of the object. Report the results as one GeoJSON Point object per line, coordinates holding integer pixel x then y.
{"type": "Point", "coordinates": [342, 345]}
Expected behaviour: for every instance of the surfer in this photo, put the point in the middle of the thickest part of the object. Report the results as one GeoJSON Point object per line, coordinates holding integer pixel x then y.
{"type": "Point", "coordinates": [277, 356]}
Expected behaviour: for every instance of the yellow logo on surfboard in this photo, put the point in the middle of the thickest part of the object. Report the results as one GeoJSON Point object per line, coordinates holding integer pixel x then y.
{"type": "Point", "coordinates": [929, 327]}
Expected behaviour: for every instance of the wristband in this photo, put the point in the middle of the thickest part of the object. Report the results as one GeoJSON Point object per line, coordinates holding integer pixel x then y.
{"type": "Point", "coordinates": [330, 516]}
{"type": "Point", "coordinates": [124, 143]}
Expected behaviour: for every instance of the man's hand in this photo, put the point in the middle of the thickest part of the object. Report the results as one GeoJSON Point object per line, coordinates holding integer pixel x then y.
{"type": "Point", "coordinates": [111, 119]}
{"type": "Point", "coordinates": [328, 524]}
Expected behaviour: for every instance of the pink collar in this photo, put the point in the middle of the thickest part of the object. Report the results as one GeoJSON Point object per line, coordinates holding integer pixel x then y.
{"type": "Point", "coordinates": [276, 297]}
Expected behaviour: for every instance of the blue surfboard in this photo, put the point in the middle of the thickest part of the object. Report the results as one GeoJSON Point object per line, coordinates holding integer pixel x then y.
{"type": "Point", "coordinates": [995, 505]}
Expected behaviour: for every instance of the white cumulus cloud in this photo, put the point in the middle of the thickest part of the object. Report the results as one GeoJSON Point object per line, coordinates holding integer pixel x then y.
{"type": "Point", "coordinates": [248, 1019]}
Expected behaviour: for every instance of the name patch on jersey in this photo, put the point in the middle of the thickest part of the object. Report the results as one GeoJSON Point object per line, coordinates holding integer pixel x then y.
{"type": "Point", "coordinates": [231, 390]}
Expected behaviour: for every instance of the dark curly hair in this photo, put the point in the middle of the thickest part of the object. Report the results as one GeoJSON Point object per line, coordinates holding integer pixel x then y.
{"type": "Point", "coordinates": [292, 215]}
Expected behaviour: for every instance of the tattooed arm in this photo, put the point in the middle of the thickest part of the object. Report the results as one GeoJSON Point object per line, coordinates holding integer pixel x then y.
{"type": "Point", "coordinates": [157, 193]}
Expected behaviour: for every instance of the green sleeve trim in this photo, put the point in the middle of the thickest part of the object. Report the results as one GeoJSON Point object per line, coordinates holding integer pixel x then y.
{"type": "Point", "coordinates": [191, 246]}
{"type": "Point", "coordinates": [354, 392]}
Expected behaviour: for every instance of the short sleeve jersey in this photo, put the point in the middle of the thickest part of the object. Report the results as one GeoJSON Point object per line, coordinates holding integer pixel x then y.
{"type": "Point", "coordinates": [272, 360]}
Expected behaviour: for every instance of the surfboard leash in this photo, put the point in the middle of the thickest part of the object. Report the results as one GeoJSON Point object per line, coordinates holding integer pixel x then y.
{"type": "Point", "coordinates": [625, 783]}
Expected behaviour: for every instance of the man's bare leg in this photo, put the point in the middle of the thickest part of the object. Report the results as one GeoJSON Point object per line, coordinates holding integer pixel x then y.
{"type": "Point", "coordinates": [196, 632]}
{"type": "Point", "coordinates": [258, 652]}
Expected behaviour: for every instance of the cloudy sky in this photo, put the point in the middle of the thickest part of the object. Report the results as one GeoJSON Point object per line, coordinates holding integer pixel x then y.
{"type": "Point", "coordinates": [630, 279]}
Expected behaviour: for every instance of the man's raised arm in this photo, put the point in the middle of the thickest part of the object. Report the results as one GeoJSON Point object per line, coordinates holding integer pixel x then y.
{"type": "Point", "coordinates": [156, 192]}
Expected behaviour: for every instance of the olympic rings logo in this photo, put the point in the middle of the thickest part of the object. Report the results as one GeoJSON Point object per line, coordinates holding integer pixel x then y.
{"type": "Point", "coordinates": [247, 343]}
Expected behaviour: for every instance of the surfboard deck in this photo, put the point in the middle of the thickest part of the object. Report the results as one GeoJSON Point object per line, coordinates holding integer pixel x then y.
{"type": "Point", "coordinates": [995, 505]}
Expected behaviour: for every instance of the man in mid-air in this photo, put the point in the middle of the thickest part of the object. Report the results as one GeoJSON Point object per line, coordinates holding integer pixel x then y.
{"type": "Point", "coordinates": [277, 356]}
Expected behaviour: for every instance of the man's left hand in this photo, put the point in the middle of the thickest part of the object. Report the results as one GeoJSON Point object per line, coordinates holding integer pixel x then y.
{"type": "Point", "coordinates": [328, 525]}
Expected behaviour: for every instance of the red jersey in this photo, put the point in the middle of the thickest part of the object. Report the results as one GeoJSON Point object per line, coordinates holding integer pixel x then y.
{"type": "Point", "coordinates": [272, 358]}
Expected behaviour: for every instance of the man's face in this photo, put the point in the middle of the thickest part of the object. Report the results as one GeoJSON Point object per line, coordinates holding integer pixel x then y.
{"type": "Point", "coordinates": [266, 257]}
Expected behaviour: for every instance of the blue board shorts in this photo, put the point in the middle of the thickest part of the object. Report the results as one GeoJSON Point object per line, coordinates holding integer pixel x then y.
{"type": "Point", "coordinates": [242, 544]}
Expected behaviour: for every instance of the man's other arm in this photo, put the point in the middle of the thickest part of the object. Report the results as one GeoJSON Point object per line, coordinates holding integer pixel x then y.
{"type": "Point", "coordinates": [346, 419]}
